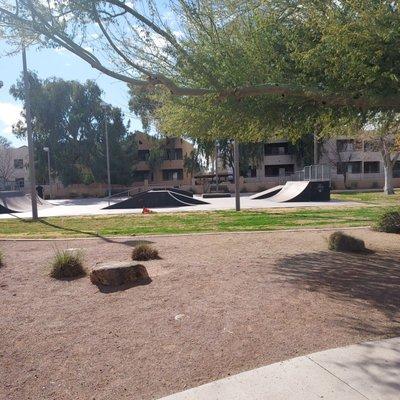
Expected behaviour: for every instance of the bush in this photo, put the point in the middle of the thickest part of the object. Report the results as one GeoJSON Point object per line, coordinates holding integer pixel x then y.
{"type": "Point", "coordinates": [144, 252]}
{"type": "Point", "coordinates": [339, 241]}
{"type": "Point", "coordinates": [388, 222]}
{"type": "Point", "coordinates": [67, 264]}
{"type": "Point", "coordinates": [1, 258]}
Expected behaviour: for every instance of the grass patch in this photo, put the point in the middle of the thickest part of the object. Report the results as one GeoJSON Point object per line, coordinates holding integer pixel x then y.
{"type": "Point", "coordinates": [188, 222]}
{"type": "Point", "coordinates": [67, 264]}
{"type": "Point", "coordinates": [144, 252]}
{"type": "Point", "coordinates": [377, 198]}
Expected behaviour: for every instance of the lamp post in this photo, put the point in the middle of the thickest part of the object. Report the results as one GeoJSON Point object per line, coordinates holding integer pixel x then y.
{"type": "Point", "coordinates": [104, 106]}
{"type": "Point", "coordinates": [32, 177]}
{"type": "Point", "coordinates": [47, 150]}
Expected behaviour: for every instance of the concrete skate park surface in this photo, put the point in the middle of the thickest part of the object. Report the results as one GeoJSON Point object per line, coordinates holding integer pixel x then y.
{"type": "Point", "coordinates": [94, 206]}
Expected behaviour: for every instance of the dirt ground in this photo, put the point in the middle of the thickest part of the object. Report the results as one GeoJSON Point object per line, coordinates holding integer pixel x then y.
{"type": "Point", "coordinates": [217, 305]}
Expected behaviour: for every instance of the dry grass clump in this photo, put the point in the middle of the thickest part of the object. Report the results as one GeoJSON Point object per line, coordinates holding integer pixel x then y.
{"type": "Point", "coordinates": [388, 221]}
{"type": "Point", "coordinates": [339, 241]}
{"type": "Point", "coordinates": [1, 258]}
{"type": "Point", "coordinates": [144, 252]}
{"type": "Point", "coordinates": [67, 264]}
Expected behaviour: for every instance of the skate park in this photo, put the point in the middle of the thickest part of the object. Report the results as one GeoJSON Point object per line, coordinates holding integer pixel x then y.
{"type": "Point", "coordinates": [308, 188]}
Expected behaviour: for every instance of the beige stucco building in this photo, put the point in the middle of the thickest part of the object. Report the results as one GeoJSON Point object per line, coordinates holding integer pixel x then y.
{"type": "Point", "coordinates": [170, 171]}
{"type": "Point", "coordinates": [14, 173]}
{"type": "Point", "coordinates": [353, 164]}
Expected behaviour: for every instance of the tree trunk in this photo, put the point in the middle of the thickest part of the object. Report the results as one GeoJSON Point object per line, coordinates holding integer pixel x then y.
{"type": "Point", "coordinates": [388, 167]}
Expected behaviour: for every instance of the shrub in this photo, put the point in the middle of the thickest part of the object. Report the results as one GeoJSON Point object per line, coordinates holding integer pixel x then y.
{"type": "Point", "coordinates": [1, 258]}
{"type": "Point", "coordinates": [388, 221]}
{"type": "Point", "coordinates": [339, 241]}
{"type": "Point", "coordinates": [144, 252]}
{"type": "Point", "coordinates": [67, 264]}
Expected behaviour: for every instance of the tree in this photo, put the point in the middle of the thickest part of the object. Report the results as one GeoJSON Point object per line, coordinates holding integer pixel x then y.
{"type": "Point", "coordinates": [224, 48]}
{"type": "Point", "coordinates": [69, 119]}
{"type": "Point", "coordinates": [6, 166]}
{"type": "Point", "coordinates": [243, 69]}
{"type": "Point", "coordinates": [385, 137]}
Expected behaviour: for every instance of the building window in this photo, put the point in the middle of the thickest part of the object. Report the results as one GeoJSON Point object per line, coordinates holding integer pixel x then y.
{"type": "Point", "coordinates": [140, 176]}
{"type": "Point", "coordinates": [344, 145]}
{"type": "Point", "coordinates": [252, 172]}
{"type": "Point", "coordinates": [279, 170]}
{"type": "Point", "coordinates": [172, 174]}
{"type": "Point", "coordinates": [18, 163]}
{"type": "Point", "coordinates": [371, 167]}
{"type": "Point", "coordinates": [276, 149]}
{"type": "Point", "coordinates": [174, 154]}
{"type": "Point", "coordinates": [396, 170]}
{"type": "Point", "coordinates": [143, 155]}
{"type": "Point", "coordinates": [20, 183]}
{"type": "Point", "coordinates": [351, 167]}
{"type": "Point", "coordinates": [371, 146]}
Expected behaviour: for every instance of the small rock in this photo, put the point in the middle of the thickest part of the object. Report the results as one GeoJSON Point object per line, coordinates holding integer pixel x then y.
{"type": "Point", "coordinates": [117, 273]}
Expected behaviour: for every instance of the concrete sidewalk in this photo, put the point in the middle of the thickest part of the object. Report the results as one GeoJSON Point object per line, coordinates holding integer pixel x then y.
{"type": "Point", "coordinates": [366, 371]}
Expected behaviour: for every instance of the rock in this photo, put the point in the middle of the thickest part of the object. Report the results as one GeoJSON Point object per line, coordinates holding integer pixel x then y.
{"type": "Point", "coordinates": [118, 273]}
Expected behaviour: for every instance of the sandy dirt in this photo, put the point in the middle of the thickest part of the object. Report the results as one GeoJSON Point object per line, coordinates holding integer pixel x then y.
{"type": "Point", "coordinates": [217, 305]}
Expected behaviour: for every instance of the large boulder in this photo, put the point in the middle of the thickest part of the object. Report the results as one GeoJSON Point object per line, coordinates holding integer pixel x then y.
{"type": "Point", "coordinates": [118, 273]}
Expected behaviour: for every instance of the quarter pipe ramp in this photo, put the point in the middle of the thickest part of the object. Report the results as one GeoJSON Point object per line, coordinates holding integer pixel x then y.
{"type": "Point", "coordinates": [156, 199]}
{"type": "Point", "coordinates": [299, 191]}
{"type": "Point", "coordinates": [15, 202]}
{"type": "Point", "coordinates": [267, 193]}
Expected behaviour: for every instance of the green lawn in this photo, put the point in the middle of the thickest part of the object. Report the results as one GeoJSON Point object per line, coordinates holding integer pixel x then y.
{"type": "Point", "coordinates": [218, 221]}
{"type": "Point", "coordinates": [378, 198]}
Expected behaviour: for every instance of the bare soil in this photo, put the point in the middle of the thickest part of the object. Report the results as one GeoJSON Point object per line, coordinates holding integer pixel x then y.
{"type": "Point", "coordinates": [217, 305]}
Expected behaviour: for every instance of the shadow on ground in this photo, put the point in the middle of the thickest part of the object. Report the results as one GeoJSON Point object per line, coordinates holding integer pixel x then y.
{"type": "Point", "coordinates": [129, 242]}
{"type": "Point", "coordinates": [374, 278]}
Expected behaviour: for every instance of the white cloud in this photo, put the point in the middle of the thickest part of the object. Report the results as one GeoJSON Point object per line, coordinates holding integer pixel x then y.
{"type": "Point", "coordinates": [10, 113]}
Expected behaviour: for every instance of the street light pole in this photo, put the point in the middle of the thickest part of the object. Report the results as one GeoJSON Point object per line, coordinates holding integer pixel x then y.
{"type": "Point", "coordinates": [47, 150]}
{"type": "Point", "coordinates": [237, 173]}
{"type": "Point", "coordinates": [32, 177]}
{"type": "Point", "coordinates": [108, 163]}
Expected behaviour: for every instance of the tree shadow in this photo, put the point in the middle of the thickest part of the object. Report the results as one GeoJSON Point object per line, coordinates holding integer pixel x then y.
{"type": "Point", "coordinates": [378, 363]}
{"type": "Point", "coordinates": [374, 278]}
{"type": "Point", "coordinates": [126, 286]}
{"type": "Point", "coordinates": [129, 242]}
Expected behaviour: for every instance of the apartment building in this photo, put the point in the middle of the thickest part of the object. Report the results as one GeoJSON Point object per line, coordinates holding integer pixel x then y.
{"type": "Point", "coordinates": [353, 164]}
{"type": "Point", "coordinates": [279, 161]}
{"type": "Point", "coordinates": [14, 173]}
{"type": "Point", "coordinates": [170, 171]}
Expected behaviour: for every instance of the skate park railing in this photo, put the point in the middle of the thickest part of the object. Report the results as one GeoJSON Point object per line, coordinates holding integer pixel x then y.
{"type": "Point", "coordinates": [320, 172]}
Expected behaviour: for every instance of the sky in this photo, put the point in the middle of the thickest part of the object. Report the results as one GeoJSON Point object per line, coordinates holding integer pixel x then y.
{"type": "Point", "coordinates": [53, 63]}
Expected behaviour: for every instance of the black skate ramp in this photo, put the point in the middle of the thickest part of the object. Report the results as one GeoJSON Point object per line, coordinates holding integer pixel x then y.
{"type": "Point", "coordinates": [156, 199]}
{"type": "Point", "coordinates": [303, 191]}
{"type": "Point", "coordinates": [176, 190]}
{"type": "Point", "coordinates": [15, 201]}
{"type": "Point", "coordinates": [267, 193]}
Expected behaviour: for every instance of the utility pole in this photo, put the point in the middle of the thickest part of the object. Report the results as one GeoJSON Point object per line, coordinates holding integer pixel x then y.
{"type": "Point", "coordinates": [216, 166]}
{"type": "Point", "coordinates": [108, 163]}
{"type": "Point", "coordinates": [237, 173]}
{"type": "Point", "coordinates": [315, 149]}
{"type": "Point", "coordinates": [32, 176]}
{"type": "Point", "coordinates": [104, 107]}
{"type": "Point", "coordinates": [47, 150]}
